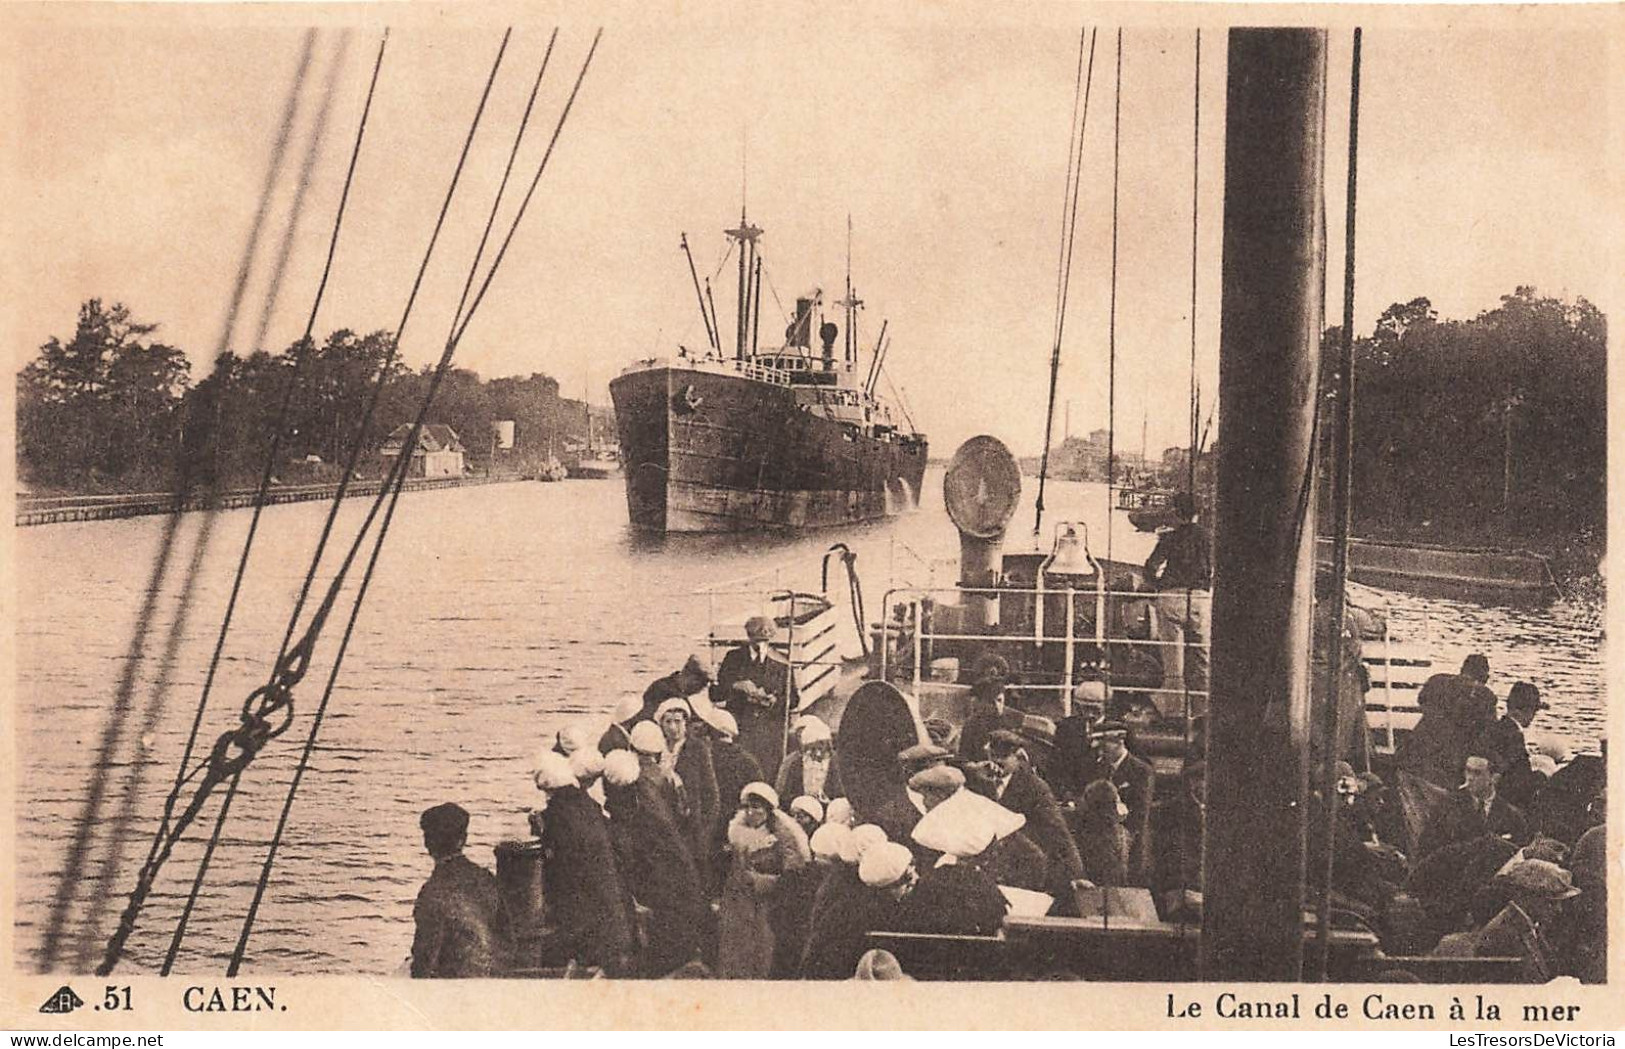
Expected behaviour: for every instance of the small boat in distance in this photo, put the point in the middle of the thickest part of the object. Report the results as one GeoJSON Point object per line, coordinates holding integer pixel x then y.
{"type": "Point", "coordinates": [763, 438]}
{"type": "Point", "coordinates": [596, 461]}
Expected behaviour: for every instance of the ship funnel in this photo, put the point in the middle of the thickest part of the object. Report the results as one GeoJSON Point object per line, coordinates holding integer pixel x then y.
{"type": "Point", "coordinates": [799, 333]}
{"type": "Point", "coordinates": [981, 489]}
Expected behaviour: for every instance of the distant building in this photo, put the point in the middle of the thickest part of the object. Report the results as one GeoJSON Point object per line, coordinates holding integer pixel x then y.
{"type": "Point", "coordinates": [439, 453]}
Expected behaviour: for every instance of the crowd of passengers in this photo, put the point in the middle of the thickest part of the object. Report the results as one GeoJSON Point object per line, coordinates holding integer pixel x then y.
{"type": "Point", "coordinates": [706, 831]}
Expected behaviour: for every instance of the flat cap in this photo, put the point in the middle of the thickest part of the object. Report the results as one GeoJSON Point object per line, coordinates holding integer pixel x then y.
{"type": "Point", "coordinates": [941, 779]}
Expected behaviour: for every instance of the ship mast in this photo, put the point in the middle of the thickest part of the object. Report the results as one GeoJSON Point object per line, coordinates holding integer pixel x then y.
{"type": "Point", "coordinates": [1263, 580]}
{"type": "Point", "coordinates": [745, 235]}
{"type": "Point", "coordinates": [850, 305]}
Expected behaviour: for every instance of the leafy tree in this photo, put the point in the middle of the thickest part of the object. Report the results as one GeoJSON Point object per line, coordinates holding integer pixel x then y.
{"type": "Point", "coordinates": [1492, 429]}
{"type": "Point", "coordinates": [102, 404]}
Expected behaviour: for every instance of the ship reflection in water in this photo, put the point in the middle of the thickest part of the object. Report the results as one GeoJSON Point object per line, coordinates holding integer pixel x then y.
{"type": "Point", "coordinates": [501, 614]}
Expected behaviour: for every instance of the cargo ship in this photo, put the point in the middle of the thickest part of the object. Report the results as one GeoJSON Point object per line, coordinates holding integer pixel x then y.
{"type": "Point", "coordinates": [753, 438]}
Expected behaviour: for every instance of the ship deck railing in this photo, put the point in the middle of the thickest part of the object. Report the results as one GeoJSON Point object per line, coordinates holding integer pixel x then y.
{"type": "Point", "coordinates": [748, 368]}
{"type": "Point", "coordinates": [1396, 668]}
{"type": "Point", "coordinates": [916, 634]}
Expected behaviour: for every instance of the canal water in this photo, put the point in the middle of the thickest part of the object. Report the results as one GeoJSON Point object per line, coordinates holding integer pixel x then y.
{"type": "Point", "coordinates": [498, 615]}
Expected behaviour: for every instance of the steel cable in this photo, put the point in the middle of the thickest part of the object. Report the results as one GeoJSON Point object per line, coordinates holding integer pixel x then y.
{"type": "Point", "coordinates": [395, 488]}
{"type": "Point", "coordinates": [286, 673]}
{"type": "Point", "coordinates": [90, 815]}
{"type": "Point", "coordinates": [1063, 268]}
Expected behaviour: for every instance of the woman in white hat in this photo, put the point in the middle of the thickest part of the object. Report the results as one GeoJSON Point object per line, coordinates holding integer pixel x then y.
{"type": "Point", "coordinates": [655, 864]}
{"type": "Point", "coordinates": [811, 769]}
{"type": "Point", "coordinates": [764, 844]}
{"type": "Point", "coordinates": [658, 780]}
{"type": "Point", "coordinates": [581, 879]}
{"type": "Point", "coordinates": [619, 734]}
{"type": "Point", "coordinates": [844, 909]}
{"type": "Point", "coordinates": [688, 758]}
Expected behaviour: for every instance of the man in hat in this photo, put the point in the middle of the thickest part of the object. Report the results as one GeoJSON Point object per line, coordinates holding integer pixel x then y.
{"type": "Point", "coordinates": [1022, 791]}
{"type": "Point", "coordinates": [1136, 784]}
{"type": "Point", "coordinates": [992, 711]}
{"type": "Point", "coordinates": [1456, 709]}
{"type": "Point", "coordinates": [935, 784]}
{"type": "Point", "coordinates": [1474, 810]}
{"type": "Point", "coordinates": [461, 928]}
{"type": "Point", "coordinates": [1181, 571]}
{"type": "Point", "coordinates": [1503, 742]}
{"type": "Point", "coordinates": [1176, 880]}
{"type": "Point", "coordinates": [752, 684]}
{"type": "Point", "coordinates": [687, 681]}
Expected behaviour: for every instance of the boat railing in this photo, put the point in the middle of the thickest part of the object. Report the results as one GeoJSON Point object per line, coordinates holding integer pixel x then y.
{"type": "Point", "coordinates": [1402, 672]}
{"type": "Point", "coordinates": [748, 368]}
{"type": "Point", "coordinates": [810, 637]}
{"type": "Point", "coordinates": [914, 637]}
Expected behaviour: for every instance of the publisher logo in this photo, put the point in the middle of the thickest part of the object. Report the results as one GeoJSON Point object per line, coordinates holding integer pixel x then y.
{"type": "Point", "coordinates": [62, 1000]}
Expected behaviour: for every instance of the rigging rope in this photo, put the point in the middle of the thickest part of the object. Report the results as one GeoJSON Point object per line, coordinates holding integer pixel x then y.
{"type": "Point", "coordinates": [318, 133]}
{"type": "Point", "coordinates": [233, 751]}
{"type": "Point", "coordinates": [395, 489]}
{"type": "Point", "coordinates": [1063, 266]}
{"type": "Point", "coordinates": [1342, 464]}
{"type": "Point", "coordinates": [902, 403]}
{"type": "Point", "coordinates": [1195, 393]}
{"type": "Point", "coordinates": [1111, 323]}
{"type": "Point", "coordinates": [89, 818]}
{"type": "Point", "coordinates": [291, 664]}
{"type": "Point", "coordinates": [1196, 196]}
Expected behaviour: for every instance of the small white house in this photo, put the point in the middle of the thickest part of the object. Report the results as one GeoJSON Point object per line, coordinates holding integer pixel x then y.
{"type": "Point", "coordinates": [439, 452]}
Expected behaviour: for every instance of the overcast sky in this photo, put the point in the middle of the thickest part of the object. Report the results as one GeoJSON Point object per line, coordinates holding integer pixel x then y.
{"type": "Point", "coordinates": [137, 148]}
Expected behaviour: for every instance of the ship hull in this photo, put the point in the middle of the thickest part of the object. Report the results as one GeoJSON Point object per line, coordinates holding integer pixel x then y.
{"type": "Point", "coordinates": [711, 451]}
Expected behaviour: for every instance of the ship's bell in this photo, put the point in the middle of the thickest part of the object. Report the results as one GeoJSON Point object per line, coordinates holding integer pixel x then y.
{"type": "Point", "coordinates": [1071, 554]}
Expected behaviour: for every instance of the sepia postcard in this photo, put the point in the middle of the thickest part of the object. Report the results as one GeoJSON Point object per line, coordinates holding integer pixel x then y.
{"type": "Point", "coordinates": [667, 516]}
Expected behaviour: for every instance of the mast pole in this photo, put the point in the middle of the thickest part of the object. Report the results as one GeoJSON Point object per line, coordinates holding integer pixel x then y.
{"type": "Point", "coordinates": [715, 324]}
{"type": "Point", "coordinates": [746, 236]}
{"type": "Point", "coordinates": [710, 333]}
{"type": "Point", "coordinates": [879, 359]}
{"type": "Point", "coordinates": [756, 306]}
{"type": "Point", "coordinates": [1270, 324]}
{"type": "Point", "coordinates": [744, 299]}
{"type": "Point", "coordinates": [847, 355]}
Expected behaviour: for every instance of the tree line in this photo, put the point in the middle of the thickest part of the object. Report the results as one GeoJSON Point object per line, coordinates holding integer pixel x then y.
{"type": "Point", "coordinates": [1491, 430]}
{"type": "Point", "coordinates": [113, 408]}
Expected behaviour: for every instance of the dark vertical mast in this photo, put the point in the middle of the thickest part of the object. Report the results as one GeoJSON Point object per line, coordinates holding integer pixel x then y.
{"type": "Point", "coordinates": [710, 334]}
{"type": "Point", "coordinates": [746, 236]}
{"type": "Point", "coordinates": [851, 347]}
{"type": "Point", "coordinates": [1270, 323]}
{"type": "Point", "coordinates": [744, 293]}
{"type": "Point", "coordinates": [849, 307]}
{"type": "Point", "coordinates": [756, 307]}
